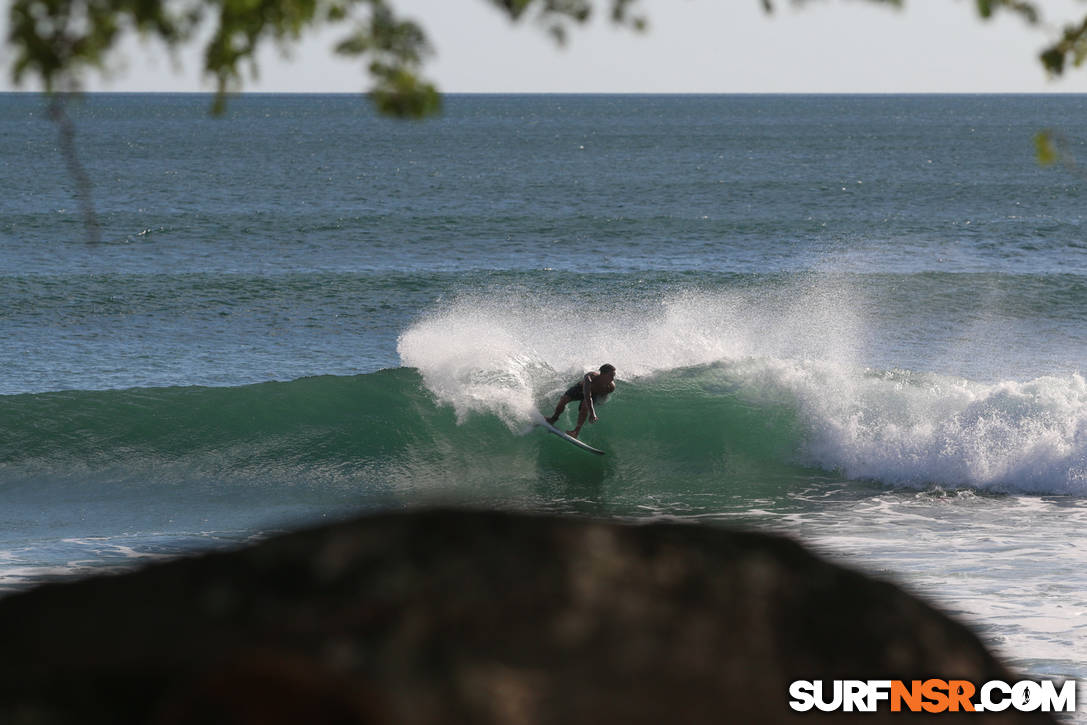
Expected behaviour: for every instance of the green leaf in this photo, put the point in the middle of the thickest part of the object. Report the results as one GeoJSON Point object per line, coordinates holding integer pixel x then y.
{"type": "Point", "coordinates": [1044, 149]}
{"type": "Point", "coordinates": [401, 95]}
{"type": "Point", "coordinates": [1053, 60]}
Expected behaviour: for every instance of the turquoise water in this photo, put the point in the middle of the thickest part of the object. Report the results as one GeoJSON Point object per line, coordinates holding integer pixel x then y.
{"type": "Point", "coordinates": [860, 321]}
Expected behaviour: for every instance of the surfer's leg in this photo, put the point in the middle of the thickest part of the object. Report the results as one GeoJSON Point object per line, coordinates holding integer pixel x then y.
{"type": "Point", "coordinates": [582, 414]}
{"type": "Point", "coordinates": [558, 410]}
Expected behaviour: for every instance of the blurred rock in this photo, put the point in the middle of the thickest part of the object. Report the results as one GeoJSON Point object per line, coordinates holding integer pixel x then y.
{"type": "Point", "coordinates": [482, 617]}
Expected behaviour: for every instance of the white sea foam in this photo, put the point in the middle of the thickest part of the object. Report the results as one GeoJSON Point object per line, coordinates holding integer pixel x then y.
{"type": "Point", "coordinates": [921, 429]}
{"type": "Point", "coordinates": [1010, 566]}
{"type": "Point", "coordinates": [496, 351]}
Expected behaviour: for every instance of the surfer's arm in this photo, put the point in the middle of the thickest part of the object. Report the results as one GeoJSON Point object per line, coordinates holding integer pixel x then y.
{"type": "Point", "coordinates": [587, 393]}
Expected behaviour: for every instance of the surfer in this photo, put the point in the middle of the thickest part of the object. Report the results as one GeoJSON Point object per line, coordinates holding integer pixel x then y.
{"type": "Point", "coordinates": [593, 388]}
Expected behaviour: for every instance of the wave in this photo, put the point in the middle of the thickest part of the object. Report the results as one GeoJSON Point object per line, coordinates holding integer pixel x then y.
{"type": "Point", "coordinates": [757, 377]}
{"type": "Point", "coordinates": [308, 420]}
{"type": "Point", "coordinates": [750, 387]}
{"type": "Point", "coordinates": [710, 426]}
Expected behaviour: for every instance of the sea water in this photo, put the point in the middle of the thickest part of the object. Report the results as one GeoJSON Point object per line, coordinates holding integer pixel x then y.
{"type": "Point", "coordinates": [859, 321]}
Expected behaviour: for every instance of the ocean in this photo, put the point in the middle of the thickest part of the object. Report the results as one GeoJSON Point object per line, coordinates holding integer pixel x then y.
{"type": "Point", "coordinates": [859, 321]}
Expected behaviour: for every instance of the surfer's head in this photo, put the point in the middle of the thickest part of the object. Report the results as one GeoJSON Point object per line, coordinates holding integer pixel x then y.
{"type": "Point", "coordinates": [607, 369]}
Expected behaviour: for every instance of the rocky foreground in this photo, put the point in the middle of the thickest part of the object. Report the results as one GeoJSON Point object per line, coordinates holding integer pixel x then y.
{"type": "Point", "coordinates": [473, 617]}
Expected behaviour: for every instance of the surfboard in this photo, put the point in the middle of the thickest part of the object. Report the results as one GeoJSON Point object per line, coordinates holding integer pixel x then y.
{"type": "Point", "coordinates": [552, 429]}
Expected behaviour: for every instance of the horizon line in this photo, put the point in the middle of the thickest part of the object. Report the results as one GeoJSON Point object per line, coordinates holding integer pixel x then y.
{"type": "Point", "coordinates": [233, 94]}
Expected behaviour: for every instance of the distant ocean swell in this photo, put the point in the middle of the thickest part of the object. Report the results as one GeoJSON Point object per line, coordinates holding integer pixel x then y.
{"type": "Point", "coordinates": [707, 422]}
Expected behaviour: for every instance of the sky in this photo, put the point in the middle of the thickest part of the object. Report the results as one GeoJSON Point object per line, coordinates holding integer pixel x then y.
{"type": "Point", "coordinates": [691, 46]}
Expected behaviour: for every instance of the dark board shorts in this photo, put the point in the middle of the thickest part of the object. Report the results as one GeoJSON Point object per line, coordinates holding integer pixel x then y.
{"type": "Point", "coordinates": [574, 393]}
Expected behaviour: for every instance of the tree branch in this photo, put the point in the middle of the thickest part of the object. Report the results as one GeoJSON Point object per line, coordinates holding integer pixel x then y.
{"type": "Point", "coordinates": [84, 189]}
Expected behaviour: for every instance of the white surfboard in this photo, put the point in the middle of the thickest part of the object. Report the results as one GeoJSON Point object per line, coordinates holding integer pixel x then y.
{"type": "Point", "coordinates": [552, 429]}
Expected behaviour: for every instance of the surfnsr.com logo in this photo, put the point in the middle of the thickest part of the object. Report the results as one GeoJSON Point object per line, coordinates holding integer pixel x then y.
{"type": "Point", "coordinates": [932, 695]}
